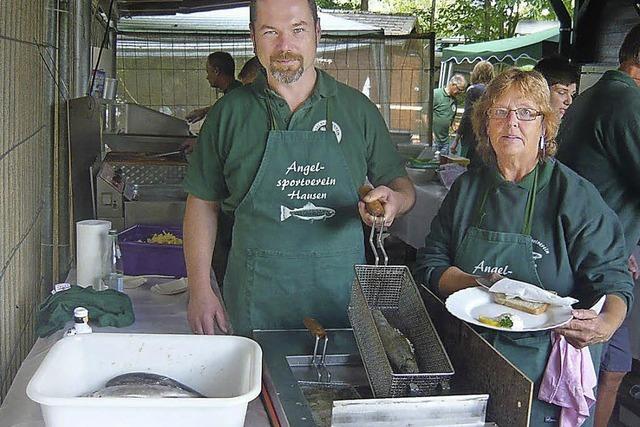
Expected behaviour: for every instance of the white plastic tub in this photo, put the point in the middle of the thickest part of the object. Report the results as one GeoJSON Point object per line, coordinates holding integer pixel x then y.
{"type": "Point", "coordinates": [226, 369]}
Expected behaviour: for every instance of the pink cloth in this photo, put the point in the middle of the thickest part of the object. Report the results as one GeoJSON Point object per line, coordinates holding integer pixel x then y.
{"type": "Point", "coordinates": [568, 381]}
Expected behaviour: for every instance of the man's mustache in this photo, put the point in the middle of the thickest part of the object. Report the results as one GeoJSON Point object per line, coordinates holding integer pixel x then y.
{"type": "Point", "coordinates": [286, 56]}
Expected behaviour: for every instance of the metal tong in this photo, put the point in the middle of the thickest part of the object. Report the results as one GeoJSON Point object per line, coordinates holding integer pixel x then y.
{"type": "Point", "coordinates": [376, 210]}
{"type": "Point", "coordinates": [319, 361]}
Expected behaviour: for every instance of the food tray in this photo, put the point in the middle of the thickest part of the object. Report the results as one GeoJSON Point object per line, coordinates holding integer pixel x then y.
{"type": "Point", "coordinates": [392, 290]}
{"type": "Point", "coordinates": [140, 258]}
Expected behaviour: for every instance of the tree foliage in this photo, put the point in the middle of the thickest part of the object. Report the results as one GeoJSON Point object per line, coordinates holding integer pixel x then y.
{"type": "Point", "coordinates": [339, 4]}
{"type": "Point", "coordinates": [475, 20]}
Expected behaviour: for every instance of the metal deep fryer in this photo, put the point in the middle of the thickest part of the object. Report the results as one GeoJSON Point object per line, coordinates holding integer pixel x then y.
{"type": "Point", "coordinates": [392, 290]}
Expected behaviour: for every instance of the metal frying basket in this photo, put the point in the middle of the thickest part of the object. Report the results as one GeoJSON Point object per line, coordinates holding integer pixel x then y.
{"type": "Point", "coordinates": [392, 290]}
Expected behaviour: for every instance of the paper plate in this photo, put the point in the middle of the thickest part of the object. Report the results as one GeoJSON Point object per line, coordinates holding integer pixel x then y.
{"type": "Point", "coordinates": [470, 303]}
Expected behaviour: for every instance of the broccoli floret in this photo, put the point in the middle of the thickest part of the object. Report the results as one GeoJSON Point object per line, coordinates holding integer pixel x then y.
{"type": "Point", "coordinates": [505, 321]}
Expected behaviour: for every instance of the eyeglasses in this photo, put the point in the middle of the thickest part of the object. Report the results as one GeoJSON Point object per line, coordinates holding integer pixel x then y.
{"type": "Point", "coordinates": [524, 114]}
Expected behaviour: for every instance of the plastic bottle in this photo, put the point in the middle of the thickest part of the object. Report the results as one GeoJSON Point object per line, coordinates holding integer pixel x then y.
{"type": "Point", "coordinates": [80, 322]}
{"type": "Point", "coordinates": [114, 279]}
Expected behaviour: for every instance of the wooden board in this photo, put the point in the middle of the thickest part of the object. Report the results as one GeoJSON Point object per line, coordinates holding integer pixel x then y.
{"type": "Point", "coordinates": [480, 368]}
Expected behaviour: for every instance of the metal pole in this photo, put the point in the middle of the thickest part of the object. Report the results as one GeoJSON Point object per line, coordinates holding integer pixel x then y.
{"type": "Point", "coordinates": [565, 27]}
{"type": "Point", "coordinates": [113, 73]}
{"type": "Point", "coordinates": [81, 19]}
{"type": "Point", "coordinates": [61, 161]}
{"type": "Point", "coordinates": [47, 157]}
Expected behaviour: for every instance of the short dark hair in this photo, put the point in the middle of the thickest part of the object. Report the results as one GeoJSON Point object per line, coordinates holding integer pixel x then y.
{"type": "Point", "coordinates": [557, 69]}
{"type": "Point", "coordinates": [252, 11]}
{"type": "Point", "coordinates": [250, 68]}
{"type": "Point", "coordinates": [224, 62]}
{"type": "Point", "coordinates": [630, 49]}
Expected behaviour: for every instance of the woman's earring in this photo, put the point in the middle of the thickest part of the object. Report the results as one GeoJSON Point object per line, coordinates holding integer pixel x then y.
{"type": "Point", "coordinates": [543, 145]}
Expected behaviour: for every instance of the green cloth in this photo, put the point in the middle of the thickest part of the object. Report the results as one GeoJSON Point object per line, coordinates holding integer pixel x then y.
{"type": "Point", "coordinates": [233, 139]}
{"type": "Point", "coordinates": [578, 247]}
{"type": "Point", "coordinates": [106, 308]}
{"type": "Point", "coordinates": [444, 111]}
{"type": "Point", "coordinates": [600, 139]}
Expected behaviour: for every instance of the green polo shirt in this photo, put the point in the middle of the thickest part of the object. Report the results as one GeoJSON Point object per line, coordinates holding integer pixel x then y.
{"type": "Point", "coordinates": [444, 111]}
{"type": "Point", "coordinates": [600, 139]}
{"type": "Point", "coordinates": [233, 139]}
{"type": "Point", "coordinates": [577, 241]}
{"type": "Point", "coordinates": [235, 84]}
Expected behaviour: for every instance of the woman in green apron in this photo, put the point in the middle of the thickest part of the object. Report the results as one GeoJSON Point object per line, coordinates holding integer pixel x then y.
{"type": "Point", "coordinates": [528, 217]}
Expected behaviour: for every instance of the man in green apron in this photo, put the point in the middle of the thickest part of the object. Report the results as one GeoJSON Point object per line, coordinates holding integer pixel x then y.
{"type": "Point", "coordinates": [286, 155]}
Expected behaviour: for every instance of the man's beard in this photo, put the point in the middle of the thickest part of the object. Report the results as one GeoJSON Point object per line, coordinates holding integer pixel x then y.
{"type": "Point", "coordinates": [286, 74]}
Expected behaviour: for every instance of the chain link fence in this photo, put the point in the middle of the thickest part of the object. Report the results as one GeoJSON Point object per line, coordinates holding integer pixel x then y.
{"type": "Point", "coordinates": [166, 72]}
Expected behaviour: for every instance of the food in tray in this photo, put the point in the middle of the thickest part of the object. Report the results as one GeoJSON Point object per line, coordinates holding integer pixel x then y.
{"type": "Point", "coordinates": [520, 304]}
{"type": "Point", "coordinates": [398, 348]}
{"type": "Point", "coordinates": [144, 385]}
{"type": "Point", "coordinates": [504, 320]}
{"type": "Point", "coordinates": [164, 238]}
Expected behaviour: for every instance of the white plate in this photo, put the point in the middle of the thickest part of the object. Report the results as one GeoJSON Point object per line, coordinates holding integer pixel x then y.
{"type": "Point", "coordinates": [470, 303]}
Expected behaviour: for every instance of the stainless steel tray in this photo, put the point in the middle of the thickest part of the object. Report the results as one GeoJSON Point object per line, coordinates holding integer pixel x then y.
{"type": "Point", "coordinates": [392, 290]}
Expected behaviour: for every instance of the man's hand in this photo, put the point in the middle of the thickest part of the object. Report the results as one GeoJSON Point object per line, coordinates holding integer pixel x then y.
{"type": "Point", "coordinates": [203, 310]}
{"type": "Point", "coordinates": [396, 200]}
{"type": "Point", "coordinates": [587, 327]}
{"type": "Point", "coordinates": [188, 145]}
{"type": "Point", "coordinates": [197, 115]}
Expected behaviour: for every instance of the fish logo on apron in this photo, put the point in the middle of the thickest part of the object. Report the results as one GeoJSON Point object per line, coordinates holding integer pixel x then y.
{"type": "Point", "coordinates": [322, 126]}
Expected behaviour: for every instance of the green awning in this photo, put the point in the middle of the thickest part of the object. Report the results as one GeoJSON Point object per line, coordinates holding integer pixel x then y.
{"type": "Point", "coordinates": [532, 46]}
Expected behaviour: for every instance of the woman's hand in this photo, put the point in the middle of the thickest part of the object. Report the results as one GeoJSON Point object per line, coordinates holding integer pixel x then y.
{"type": "Point", "coordinates": [588, 327]}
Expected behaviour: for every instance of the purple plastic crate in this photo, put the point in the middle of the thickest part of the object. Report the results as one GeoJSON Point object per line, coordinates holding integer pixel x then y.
{"type": "Point", "coordinates": [140, 257]}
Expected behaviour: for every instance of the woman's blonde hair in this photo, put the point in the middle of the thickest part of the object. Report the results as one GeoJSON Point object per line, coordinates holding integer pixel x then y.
{"type": "Point", "coordinates": [530, 85]}
{"type": "Point", "coordinates": [482, 73]}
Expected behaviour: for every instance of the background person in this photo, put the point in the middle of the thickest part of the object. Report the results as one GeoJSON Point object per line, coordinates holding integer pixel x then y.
{"type": "Point", "coordinates": [221, 70]}
{"type": "Point", "coordinates": [534, 218]}
{"type": "Point", "coordinates": [481, 75]}
{"type": "Point", "coordinates": [250, 70]}
{"type": "Point", "coordinates": [600, 139]}
{"type": "Point", "coordinates": [290, 178]}
{"type": "Point", "coordinates": [562, 78]}
{"type": "Point", "coordinates": [444, 111]}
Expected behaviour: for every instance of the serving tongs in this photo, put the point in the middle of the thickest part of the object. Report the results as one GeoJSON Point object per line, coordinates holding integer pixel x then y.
{"type": "Point", "coordinates": [376, 210]}
{"type": "Point", "coordinates": [319, 360]}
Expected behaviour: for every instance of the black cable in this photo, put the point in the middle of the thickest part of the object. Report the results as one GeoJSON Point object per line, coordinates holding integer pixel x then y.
{"type": "Point", "coordinates": [104, 42]}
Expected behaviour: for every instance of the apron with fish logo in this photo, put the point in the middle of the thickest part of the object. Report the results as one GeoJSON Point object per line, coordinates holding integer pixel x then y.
{"type": "Point", "coordinates": [296, 237]}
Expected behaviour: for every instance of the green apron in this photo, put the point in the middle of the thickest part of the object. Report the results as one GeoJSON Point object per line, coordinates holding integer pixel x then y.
{"type": "Point", "coordinates": [296, 237]}
{"type": "Point", "coordinates": [512, 253]}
